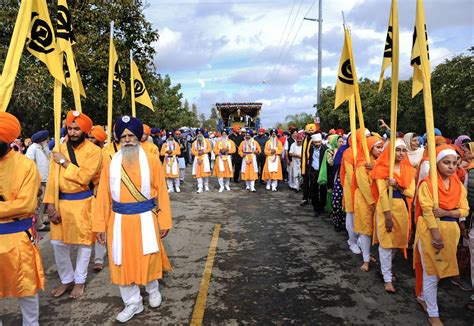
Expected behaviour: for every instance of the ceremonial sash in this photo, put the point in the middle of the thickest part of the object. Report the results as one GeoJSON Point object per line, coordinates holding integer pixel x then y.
{"type": "Point", "coordinates": [118, 176]}
{"type": "Point", "coordinates": [225, 157]}
{"type": "Point", "coordinates": [76, 195]}
{"type": "Point", "coordinates": [249, 155]}
{"type": "Point", "coordinates": [203, 157]}
{"type": "Point", "coordinates": [171, 162]}
{"type": "Point", "coordinates": [72, 157]}
{"type": "Point", "coordinates": [16, 226]}
{"type": "Point", "coordinates": [273, 159]}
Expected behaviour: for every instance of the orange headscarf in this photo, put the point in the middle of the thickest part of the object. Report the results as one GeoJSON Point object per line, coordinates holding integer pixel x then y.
{"type": "Point", "coordinates": [82, 121]}
{"type": "Point", "coordinates": [348, 156]}
{"type": "Point", "coordinates": [99, 133]}
{"type": "Point", "coordinates": [382, 167]}
{"type": "Point", "coordinates": [10, 127]}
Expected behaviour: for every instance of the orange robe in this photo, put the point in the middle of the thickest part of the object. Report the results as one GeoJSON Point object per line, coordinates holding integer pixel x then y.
{"type": "Point", "coordinates": [75, 226]}
{"type": "Point", "coordinates": [199, 171]}
{"type": "Point", "coordinates": [171, 160]}
{"type": "Point", "coordinates": [225, 158]}
{"type": "Point", "coordinates": [150, 148]}
{"type": "Point", "coordinates": [136, 268]}
{"type": "Point", "coordinates": [248, 159]}
{"type": "Point", "coordinates": [278, 147]}
{"type": "Point", "coordinates": [363, 199]}
{"type": "Point", "coordinates": [21, 268]}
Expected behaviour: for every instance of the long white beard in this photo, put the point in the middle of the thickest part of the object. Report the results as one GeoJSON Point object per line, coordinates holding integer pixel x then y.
{"type": "Point", "coordinates": [130, 153]}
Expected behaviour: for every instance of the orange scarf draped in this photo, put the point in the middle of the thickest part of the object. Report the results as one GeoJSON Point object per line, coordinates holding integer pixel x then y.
{"type": "Point", "coordinates": [371, 141]}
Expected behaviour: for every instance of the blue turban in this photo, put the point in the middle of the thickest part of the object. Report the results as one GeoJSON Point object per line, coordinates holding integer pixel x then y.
{"type": "Point", "coordinates": [199, 130]}
{"type": "Point", "coordinates": [40, 136]}
{"type": "Point", "coordinates": [273, 131]}
{"type": "Point", "coordinates": [250, 133]}
{"type": "Point", "coordinates": [51, 144]}
{"type": "Point", "coordinates": [155, 130]}
{"type": "Point", "coordinates": [169, 133]}
{"type": "Point", "coordinates": [130, 123]}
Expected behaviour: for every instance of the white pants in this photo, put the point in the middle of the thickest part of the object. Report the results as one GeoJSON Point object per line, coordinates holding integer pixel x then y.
{"type": "Point", "coordinates": [365, 243]}
{"type": "Point", "coordinates": [29, 310]}
{"type": "Point", "coordinates": [386, 256]}
{"type": "Point", "coordinates": [131, 293]}
{"type": "Point", "coordinates": [62, 255]}
{"type": "Point", "coordinates": [273, 183]}
{"type": "Point", "coordinates": [291, 182]}
{"type": "Point", "coordinates": [170, 181]}
{"type": "Point", "coordinates": [429, 293]}
{"type": "Point", "coordinates": [350, 229]}
{"type": "Point", "coordinates": [203, 181]}
{"type": "Point", "coordinates": [99, 253]}
{"type": "Point", "coordinates": [250, 184]}
{"type": "Point", "coordinates": [221, 182]}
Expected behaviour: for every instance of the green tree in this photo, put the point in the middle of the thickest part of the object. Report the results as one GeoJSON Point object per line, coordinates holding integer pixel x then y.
{"type": "Point", "coordinates": [299, 120]}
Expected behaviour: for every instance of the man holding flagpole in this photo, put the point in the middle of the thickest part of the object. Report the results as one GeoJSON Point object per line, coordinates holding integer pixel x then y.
{"type": "Point", "coordinates": [133, 209]}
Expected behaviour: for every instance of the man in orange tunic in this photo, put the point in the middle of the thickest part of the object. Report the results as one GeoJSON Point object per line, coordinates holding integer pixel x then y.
{"type": "Point", "coordinates": [133, 208]}
{"type": "Point", "coordinates": [21, 269]}
{"type": "Point", "coordinates": [223, 149]}
{"type": "Point", "coordinates": [78, 162]}
{"type": "Point", "coordinates": [272, 171]}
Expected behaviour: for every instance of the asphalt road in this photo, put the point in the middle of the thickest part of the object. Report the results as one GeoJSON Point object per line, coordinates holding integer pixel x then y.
{"type": "Point", "coordinates": [276, 263]}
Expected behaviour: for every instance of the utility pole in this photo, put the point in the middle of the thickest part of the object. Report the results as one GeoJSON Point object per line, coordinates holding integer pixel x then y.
{"type": "Point", "coordinates": [320, 58]}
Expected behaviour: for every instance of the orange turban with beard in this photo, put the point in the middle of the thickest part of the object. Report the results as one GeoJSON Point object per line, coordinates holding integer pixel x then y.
{"type": "Point", "coordinates": [82, 121]}
{"type": "Point", "coordinates": [10, 127]}
{"type": "Point", "coordinates": [99, 133]}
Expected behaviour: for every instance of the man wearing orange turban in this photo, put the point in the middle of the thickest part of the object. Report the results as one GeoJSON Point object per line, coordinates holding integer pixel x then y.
{"type": "Point", "coordinates": [21, 268]}
{"type": "Point", "coordinates": [147, 145]}
{"type": "Point", "coordinates": [79, 163]}
{"type": "Point", "coordinates": [97, 136]}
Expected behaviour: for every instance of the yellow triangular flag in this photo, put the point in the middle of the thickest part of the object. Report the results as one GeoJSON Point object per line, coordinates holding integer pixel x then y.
{"type": "Point", "coordinates": [41, 41]}
{"type": "Point", "coordinates": [12, 61]}
{"type": "Point", "coordinates": [116, 68]}
{"type": "Point", "coordinates": [420, 58]}
{"type": "Point", "coordinates": [392, 34]}
{"type": "Point", "coordinates": [139, 89]}
{"type": "Point", "coordinates": [345, 79]}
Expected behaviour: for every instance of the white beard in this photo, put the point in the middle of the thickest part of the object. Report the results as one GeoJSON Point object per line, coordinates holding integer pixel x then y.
{"type": "Point", "coordinates": [130, 153]}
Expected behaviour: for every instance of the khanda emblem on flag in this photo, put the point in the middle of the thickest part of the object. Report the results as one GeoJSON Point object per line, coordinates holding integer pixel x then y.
{"type": "Point", "coordinates": [345, 73]}
{"type": "Point", "coordinates": [415, 58]}
{"type": "Point", "coordinates": [41, 37]}
{"type": "Point", "coordinates": [64, 28]}
{"type": "Point", "coordinates": [388, 43]}
{"type": "Point", "coordinates": [118, 78]}
{"type": "Point", "coordinates": [138, 87]}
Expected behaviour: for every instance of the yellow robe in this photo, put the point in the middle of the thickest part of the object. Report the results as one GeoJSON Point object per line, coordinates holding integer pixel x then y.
{"type": "Point", "coordinates": [230, 145]}
{"type": "Point", "coordinates": [200, 167]}
{"type": "Point", "coordinates": [448, 266]}
{"type": "Point", "coordinates": [150, 147]}
{"type": "Point", "coordinates": [75, 226]}
{"type": "Point", "coordinates": [109, 150]}
{"type": "Point", "coordinates": [279, 149]}
{"type": "Point", "coordinates": [399, 236]}
{"type": "Point", "coordinates": [363, 218]}
{"type": "Point", "coordinates": [171, 159]}
{"type": "Point", "coordinates": [21, 268]}
{"type": "Point", "coordinates": [136, 268]}
{"type": "Point", "coordinates": [347, 189]}
{"type": "Point", "coordinates": [249, 173]}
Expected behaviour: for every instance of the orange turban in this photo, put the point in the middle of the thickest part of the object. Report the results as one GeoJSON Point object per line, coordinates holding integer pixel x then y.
{"type": "Point", "coordinates": [10, 127]}
{"type": "Point", "coordinates": [146, 130]}
{"type": "Point", "coordinates": [99, 133]}
{"type": "Point", "coordinates": [82, 120]}
{"type": "Point", "coordinates": [440, 140]}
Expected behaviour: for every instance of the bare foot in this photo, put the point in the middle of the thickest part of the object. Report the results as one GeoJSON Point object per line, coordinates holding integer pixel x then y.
{"type": "Point", "coordinates": [422, 303]}
{"type": "Point", "coordinates": [389, 288]}
{"type": "Point", "coordinates": [436, 321]}
{"type": "Point", "coordinates": [61, 289]}
{"type": "Point", "coordinates": [77, 291]}
{"type": "Point", "coordinates": [364, 267]}
{"type": "Point", "coordinates": [98, 267]}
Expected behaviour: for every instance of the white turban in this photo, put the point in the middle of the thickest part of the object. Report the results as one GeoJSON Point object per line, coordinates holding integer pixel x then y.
{"type": "Point", "coordinates": [316, 137]}
{"type": "Point", "coordinates": [444, 153]}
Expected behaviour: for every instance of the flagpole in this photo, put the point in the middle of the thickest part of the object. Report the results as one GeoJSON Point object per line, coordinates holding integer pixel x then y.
{"type": "Point", "coordinates": [394, 94]}
{"type": "Point", "coordinates": [57, 98]}
{"type": "Point", "coordinates": [74, 79]}
{"type": "Point", "coordinates": [132, 86]}
{"type": "Point", "coordinates": [110, 85]}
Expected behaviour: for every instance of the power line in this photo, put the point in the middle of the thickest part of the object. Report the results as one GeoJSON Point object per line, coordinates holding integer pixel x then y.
{"type": "Point", "coordinates": [212, 3]}
{"type": "Point", "coordinates": [279, 43]}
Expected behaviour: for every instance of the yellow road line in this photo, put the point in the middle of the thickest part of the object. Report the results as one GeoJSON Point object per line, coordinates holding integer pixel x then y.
{"type": "Point", "coordinates": [200, 305]}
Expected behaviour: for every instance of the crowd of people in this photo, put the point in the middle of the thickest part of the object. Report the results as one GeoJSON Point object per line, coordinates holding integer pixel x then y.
{"type": "Point", "coordinates": [114, 197]}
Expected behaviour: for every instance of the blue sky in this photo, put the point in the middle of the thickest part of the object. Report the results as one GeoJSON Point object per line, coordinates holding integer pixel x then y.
{"type": "Point", "coordinates": [240, 51]}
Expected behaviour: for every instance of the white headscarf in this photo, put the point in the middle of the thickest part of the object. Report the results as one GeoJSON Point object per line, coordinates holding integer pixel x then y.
{"type": "Point", "coordinates": [414, 155]}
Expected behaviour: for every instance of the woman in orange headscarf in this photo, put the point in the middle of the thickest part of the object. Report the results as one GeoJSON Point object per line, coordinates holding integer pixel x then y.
{"type": "Point", "coordinates": [437, 232]}
{"type": "Point", "coordinates": [364, 202]}
{"type": "Point", "coordinates": [392, 219]}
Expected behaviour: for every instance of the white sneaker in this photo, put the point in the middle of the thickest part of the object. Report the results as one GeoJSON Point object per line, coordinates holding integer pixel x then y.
{"type": "Point", "coordinates": [155, 299]}
{"type": "Point", "coordinates": [130, 311]}
{"type": "Point", "coordinates": [206, 188]}
{"type": "Point", "coordinates": [177, 189]}
{"type": "Point", "coordinates": [252, 189]}
{"type": "Point", "coordinates": [268, 187]}
{"type": "Point", "coordinates": [199, 190]}
{"type": "Point", "coordinates": [221, 189]}
{"type": "Point", "coordinates": [170, 190]}
{"type": "Point", "coordinates": [274, 188]}
{"type": "Point", "coordinates": [355, 249]}
{"type": "Point", "coordinates": [247, 188]}
{"type": "Point", "coordinates": [227, 187]}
